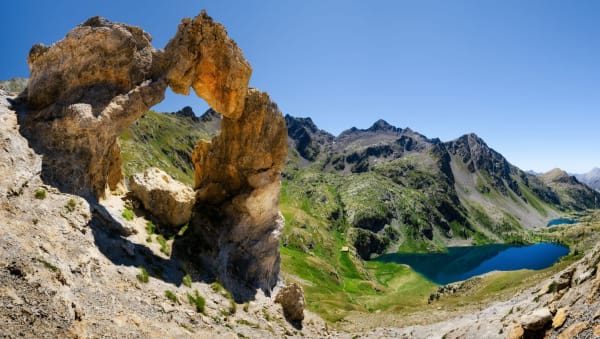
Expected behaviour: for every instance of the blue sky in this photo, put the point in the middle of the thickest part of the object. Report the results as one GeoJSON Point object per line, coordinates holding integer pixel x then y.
{"type": "Point", "coordinates": [524, 75]}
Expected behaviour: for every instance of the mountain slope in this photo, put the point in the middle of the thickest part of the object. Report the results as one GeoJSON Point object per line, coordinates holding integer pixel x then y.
{"type": "Point", "coordinates": [386, 189]}
{"type": "Point", "coordinates": [591, 178]}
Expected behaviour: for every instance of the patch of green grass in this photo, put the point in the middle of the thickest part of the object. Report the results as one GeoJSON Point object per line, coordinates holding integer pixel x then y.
{"type": "Point", "coordinates": [150, 227]}
{"type": "Point", "coordinates": [164, 247]}
{"type": "Point", "coordinates": [171, 296]}
{"type": "Point", "coordinates": [40, 193]}
{"type": "Point", "coordinates": [197, 301]}
{"type": "Point", "coordinates": [71, 204]}
{"type": "Point", "coordinates": [218, 288]}
{"type": "Point", "coordinates": [143, 275]}
{"type": "Point", "coordinates": [128, 214]}
{"type": "Point", "coordinates": [187, 280]}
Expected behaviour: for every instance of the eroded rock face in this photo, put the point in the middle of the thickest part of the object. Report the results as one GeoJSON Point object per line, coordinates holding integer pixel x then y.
{"type": "Point", "coordinates": [201, 56]}
{"type": "Point", "coordinates": [167, 199]}
{"type": "Point", "coordinates": [236, 221]}
{"type": "Point", "coordinates": [83, 91]}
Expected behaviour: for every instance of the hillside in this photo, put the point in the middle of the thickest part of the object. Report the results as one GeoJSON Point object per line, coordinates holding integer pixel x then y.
{"type": "Point", "coordinates": [387, 189]}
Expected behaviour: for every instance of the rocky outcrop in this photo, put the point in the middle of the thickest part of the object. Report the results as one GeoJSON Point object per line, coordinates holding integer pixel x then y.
{"type": "Point", "coordinates": [165, 198]}
{"type": "Point", "coordinates": [85, 89]}
{"type": "Point", "coordinates": [237, 177]}
{"type": "Point", "coordinates": [291, 299]}
{"type": "Point", "coordinates": [202, 56]}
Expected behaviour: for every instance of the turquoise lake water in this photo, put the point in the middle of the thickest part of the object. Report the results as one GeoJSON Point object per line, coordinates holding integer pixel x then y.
{"type": "Point", "coordinates": [561, 221]}
{"type": "Point", "coordinates": [461, 263]}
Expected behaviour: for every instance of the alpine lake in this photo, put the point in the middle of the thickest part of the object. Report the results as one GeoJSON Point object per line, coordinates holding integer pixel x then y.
{"type": "Point", "coordinates": [461, 263]}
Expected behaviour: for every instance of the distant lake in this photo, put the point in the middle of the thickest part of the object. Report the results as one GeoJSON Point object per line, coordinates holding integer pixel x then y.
{"type": "Point", "coordinates": [461, 263]}
{"type": "Point", "coordinates": [561, 221]}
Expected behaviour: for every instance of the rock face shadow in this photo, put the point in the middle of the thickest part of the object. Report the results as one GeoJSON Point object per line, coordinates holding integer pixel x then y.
{"type": "Point", "coordinates": [109, 237]}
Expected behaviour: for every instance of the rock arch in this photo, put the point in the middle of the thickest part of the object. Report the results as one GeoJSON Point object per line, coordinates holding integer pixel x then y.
{"type": "Point", "coordinates": [85, 89]}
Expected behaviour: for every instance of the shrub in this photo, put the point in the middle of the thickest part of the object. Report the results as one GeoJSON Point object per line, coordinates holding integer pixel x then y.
{"type": "Point", "coordinates": [128, 214]}
{"type": "Point", "coordinates": [150, 227]}
{"type": "Point", "coordinates": [143, 276]}
{"type": "Point", "coordinates": [198, 301]}
{"type": "Point", "coordinates": [187, 280]}
{"type": "Point", "coordinates": [71, 204]}
{"type": "Point", "coordinates": [171, 296]}
{"type": "Point", "coordinates": [40, 193]}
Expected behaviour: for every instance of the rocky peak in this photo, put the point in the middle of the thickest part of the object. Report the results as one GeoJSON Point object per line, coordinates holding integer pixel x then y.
{"type": "Point", "coordinates": [557, 175]}
{"type": "Point", "coordinates": [306, 137]}
{"type": "Point", "coordinates": [382, 125]}
{"type": "Point", "coordinates": [478, 156]}
{"type": "Point", "coordinates": [187, 112]}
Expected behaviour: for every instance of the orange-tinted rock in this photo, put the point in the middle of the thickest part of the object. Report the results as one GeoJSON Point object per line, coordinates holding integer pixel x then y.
{"type": "Point", "coordinates": [201, 56]}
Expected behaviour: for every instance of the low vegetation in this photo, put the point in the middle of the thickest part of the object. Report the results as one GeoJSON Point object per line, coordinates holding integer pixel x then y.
{"type": "Point", "coordinates": [197, 301]}
{"type": "Point", "coordinates": [40, 194]}
{"type": "Point", "coordinates": [71, 204]}
{"type": "Point", "coordinates": [143, 275]}
{"type": "Point", "coordinates": [128, 214]}
{"type": "Point", "coordinates": [171, 296]}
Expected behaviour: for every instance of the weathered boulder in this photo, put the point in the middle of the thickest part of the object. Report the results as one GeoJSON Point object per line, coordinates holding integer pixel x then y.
{"type": "Point", "coordinates": [291, 299]}
{"type": "Point", "coordinates": [83, 91]}
{"type": "Point", "coordinates": [167, 199]}
{"type": "Point", "coordinates": [236, 224]}
{"type": "Point", "coordinates": [537, 320]}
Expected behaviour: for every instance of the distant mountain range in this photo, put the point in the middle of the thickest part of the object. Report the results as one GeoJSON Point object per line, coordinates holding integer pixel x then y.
{"type": "Point", "coordinates": [381, 189]}
{"type": "Point", "coordinates": [591, 178]}
{"type": "Point", "coordinates": [399, 190]}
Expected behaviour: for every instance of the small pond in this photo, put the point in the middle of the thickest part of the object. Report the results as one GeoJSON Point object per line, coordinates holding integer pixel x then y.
{"type": "Point", "coordinates": [561, 221]}
{"type": "Point", "coordinates": [461, 263]}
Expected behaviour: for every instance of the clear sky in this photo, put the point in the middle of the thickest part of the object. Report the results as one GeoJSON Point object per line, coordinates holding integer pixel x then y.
{"type": "Point", "coordinates": [524, 75]}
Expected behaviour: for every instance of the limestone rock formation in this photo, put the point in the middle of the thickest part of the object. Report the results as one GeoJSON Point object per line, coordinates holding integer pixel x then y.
{"type": "Point", "coordinates": [291, 299]}
{"type": "Point", "coordinates": [83, 91]}
{"type": "Point", "coordinates": [238, 179]}
{"type": "Point", "coordinates": [165, 198]}
{"type": "Point", "coordinates": [203, 57]}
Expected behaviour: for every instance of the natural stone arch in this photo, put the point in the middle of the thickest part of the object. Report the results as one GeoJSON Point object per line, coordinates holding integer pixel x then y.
{"type": "Point", "coordinates": [87, 88]}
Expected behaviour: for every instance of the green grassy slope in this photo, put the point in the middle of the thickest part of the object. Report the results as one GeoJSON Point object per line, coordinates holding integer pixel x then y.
{"type": "Point", "coordinates": [165, 141]}
{"type": "Point", "coordinates": [358, 194]}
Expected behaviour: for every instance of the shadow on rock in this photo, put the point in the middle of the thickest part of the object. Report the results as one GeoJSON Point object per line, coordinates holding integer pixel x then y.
{"type": "Point", "coordinates": [110, 238]}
